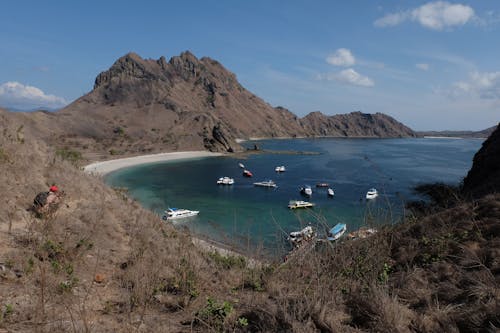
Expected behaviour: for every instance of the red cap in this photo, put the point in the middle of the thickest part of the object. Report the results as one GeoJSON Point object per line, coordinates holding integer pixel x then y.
{"type": "Point", "coordinates": [53, 188]}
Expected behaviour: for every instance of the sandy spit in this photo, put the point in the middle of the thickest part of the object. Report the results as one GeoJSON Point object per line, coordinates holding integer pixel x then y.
{"type": "Point", "coordinates": [105, 167]}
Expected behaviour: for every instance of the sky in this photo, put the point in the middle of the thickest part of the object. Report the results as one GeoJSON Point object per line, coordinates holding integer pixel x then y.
{"type": "Point", "coordinates": [431, 65]}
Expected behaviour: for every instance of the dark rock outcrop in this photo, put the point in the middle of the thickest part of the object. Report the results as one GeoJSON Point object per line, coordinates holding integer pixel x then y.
{"type": "Point", "coordinates": [484, 176]}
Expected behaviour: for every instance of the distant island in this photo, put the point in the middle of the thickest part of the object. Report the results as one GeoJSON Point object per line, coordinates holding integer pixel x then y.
{"type": "Point", "coordinates": [459, 134]}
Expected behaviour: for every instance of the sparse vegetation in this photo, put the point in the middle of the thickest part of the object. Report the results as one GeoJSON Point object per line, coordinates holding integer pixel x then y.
{"type": "Point", "coordinates": [70, 155]}
{"type": "Point", "coordinates": [439, 271]}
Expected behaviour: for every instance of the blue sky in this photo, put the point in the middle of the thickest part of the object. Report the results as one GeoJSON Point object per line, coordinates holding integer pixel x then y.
{"type": "Point", "coordinates": [432, 65]}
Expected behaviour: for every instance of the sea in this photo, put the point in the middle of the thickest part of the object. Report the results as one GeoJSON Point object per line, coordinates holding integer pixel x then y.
{"type": "Point", "coordinates": [257, 221]}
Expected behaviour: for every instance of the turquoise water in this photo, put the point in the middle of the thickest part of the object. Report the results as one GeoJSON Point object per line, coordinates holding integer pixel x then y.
{"type": "Point", "coordinates": [246, 216]}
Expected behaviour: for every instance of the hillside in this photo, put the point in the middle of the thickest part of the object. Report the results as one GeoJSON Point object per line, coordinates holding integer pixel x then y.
{"type": "Point", "coordinates": [484, 176]}
{"type": "Point", "coordinates": [101, 263]}
{"type": "Point", "coordinates": [141, 106]}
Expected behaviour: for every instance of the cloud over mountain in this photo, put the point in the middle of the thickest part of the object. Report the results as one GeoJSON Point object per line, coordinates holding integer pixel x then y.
{"type": "Point", "coordinates": [436, 15]}
{"type": "Point", "coordinates": [349, 76]}
{"type": "Point", "coordinates": [24, 97]}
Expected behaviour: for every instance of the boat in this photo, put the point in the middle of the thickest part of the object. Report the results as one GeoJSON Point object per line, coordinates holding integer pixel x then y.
{"type": "Point", "coordinates": [225, 181]}
{"type": "Point", "coordinates": [266, 183]}
{"type": "Point", "coordinates": [280, 168]}
{"type": "Point", "coordinates": [241, 165]}
{"type": "Point", "coordinates": [361, 233]}
{"type": "Point", "coordinates": [297, 237]}
{"type": "Point", "coordinates": [337, 231]}
{"type": "Point", "coordinates": [371, 194]}
{"type": "Point", "coordinates": [330, 192]}
{"type": "Point", "coordinates": [247, 173]}
{"type": "Point", "coordinates": [322, 185]}
{"type": "Point", "coordinates": [306, 190]}
{"type": "Point", "coordinates": [178, 213]}
{"type": "Point", "coordinates": [293, 204]}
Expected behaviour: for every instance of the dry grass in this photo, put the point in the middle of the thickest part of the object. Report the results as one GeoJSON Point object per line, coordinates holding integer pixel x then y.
{"type": "Point", "coordinates": [101, 263]}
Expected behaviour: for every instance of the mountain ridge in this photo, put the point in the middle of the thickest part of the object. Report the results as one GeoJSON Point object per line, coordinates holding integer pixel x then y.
{"type": "Point", "coordinates": [145, 105]}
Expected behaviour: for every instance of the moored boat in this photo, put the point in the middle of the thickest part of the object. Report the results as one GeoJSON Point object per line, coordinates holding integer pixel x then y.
{"type": "Point", "coordinates": [178, 213]}
{"type": "Point", "coordinates": [241, 165]}
{"type": "Point", "coordinates": [225, 181]}
{"type": "Point", "coordinates": [306, 190]}
{"type": "Point", "coordinates": [266, 183]}
{"type": "Point", "coordinates": [293, 204]}
{"type": "Point", "coordinates": [297, 237]}
{"type": "Point", "coordinates": [247, 173]}
{"type": "Point", "coordinates": [330, 192]}
{"type": "Point", "coordinates": [322, 185]}
{"type": "Point", "coordinates": [371, 194]}
{"type": "Point", "coordinates": [280, 168]}
{"type": "Point", "coordinates": [337, 231]}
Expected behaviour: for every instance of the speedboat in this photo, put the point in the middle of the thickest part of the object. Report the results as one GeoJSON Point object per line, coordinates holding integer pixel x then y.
{"type": "Point", "coordinates": [330, 192]}
{"type": "Point", "coordinates": [280, 168]}
{"type": "Point", "coordinates": [178, 213]}
{"type": "Point", "coordinates": [241, 165]}
{"type": "Point", "coordinates": [247, 173]}
{"type": "Point", "coordinates": [371, 194]}
{"type": "Point", "coordinates": [337, 231]}
{"type": "Point", "coordinates": [225, 181]}
{"type": "Point", "coordinates": [306, 190]}
{"type": "Point", "coordinates": [293, 204]}
{"type": "Point", "coordinates": [297, 237]}
{"type": "Point", "coordinates": [266, 183]}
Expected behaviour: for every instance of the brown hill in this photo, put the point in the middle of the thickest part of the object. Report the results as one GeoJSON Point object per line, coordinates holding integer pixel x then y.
{"type": "Point", "coordinates": [355, 124]}
{"type": "Point", "coordinates": [484, 176]}
{"type": "Point", "coordinates": [143, 105]}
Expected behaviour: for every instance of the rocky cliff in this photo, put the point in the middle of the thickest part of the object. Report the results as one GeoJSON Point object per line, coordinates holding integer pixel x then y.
{"type": "Point", "coordinates": [484, 176]}
{"type": "Point", "coordinates": [142, 106]}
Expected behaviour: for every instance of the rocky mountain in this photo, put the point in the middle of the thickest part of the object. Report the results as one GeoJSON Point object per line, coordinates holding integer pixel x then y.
{"type": "Point", "coordinates": [355, 124]}
{"type": "Point", "coordinates": [142, 105]}
{"type": "Point", "coordinates": [484, 176]}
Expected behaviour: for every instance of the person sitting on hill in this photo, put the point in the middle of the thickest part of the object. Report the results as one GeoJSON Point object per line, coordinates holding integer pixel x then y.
{"type": "Point", "coordinates": [44, 200]}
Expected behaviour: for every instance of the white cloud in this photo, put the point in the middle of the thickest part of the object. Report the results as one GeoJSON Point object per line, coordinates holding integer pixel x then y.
{"type": "Point", "coordinates": [349, 76]}
{"type": "Point", "coordinates": [436, 15]}
{"type": "Point", "coordinates": [483, 85]}
{"type": "Point", "coordinates": [20, 96]}
{"type": "Point", "coordinates": [341, 57]}
{"type": "Point", "coordinates": [424, 67]}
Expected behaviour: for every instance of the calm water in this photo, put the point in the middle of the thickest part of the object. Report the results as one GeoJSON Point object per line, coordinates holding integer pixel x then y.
{"type": "Point", "coordinates": [247, 216]}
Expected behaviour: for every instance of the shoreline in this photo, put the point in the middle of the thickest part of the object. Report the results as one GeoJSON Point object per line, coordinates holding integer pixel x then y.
{"type": "Point", "coordinates": [203, 242]}
{"type": "Point", "coordinates": [105, 167]}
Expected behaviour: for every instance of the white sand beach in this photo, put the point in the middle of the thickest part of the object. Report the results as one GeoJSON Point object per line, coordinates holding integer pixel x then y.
{"type": "Point", "coordinates": [105, 167]}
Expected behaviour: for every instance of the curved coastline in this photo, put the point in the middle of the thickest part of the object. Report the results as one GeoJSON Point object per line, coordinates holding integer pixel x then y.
{"type": "Point", "coordinates": [105, 167]}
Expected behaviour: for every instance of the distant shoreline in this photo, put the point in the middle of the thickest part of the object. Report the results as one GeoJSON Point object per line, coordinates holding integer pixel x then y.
{"type": "Point", "coordinates": [105, 167]}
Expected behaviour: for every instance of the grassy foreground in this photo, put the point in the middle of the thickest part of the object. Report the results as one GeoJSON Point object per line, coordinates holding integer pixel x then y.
{"type": "Point", "coordinates": [101, 263]}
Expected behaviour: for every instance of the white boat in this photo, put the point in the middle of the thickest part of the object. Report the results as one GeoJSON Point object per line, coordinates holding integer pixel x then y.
{"type": "Point", "coordinates": [371, 194]}
{"type": "Point", "coordinates": [306, 190]}
{"type": "Point", "coordinates": [297, 237]}
{"type": "Point", "coordinates": [225, 181]}
{"type": "Point", "coordinates": [266, 183]}
{"type": "Point", "coordinates": [241, 165]}
{"type": "Point", "coordinates": [337, 231]}
{"type": "Point", "coordinates": [293, 204]}
{"type": "Point", "coordinates": [280, 168]}
{"type": "Point", "coordinates": [330, 192]}
{"type": "Point", "coordinates": [178, 213]}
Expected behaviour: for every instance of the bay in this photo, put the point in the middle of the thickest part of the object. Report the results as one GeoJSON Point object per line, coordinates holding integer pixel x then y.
{"type": "Point", "coordinates": [251, 218]}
